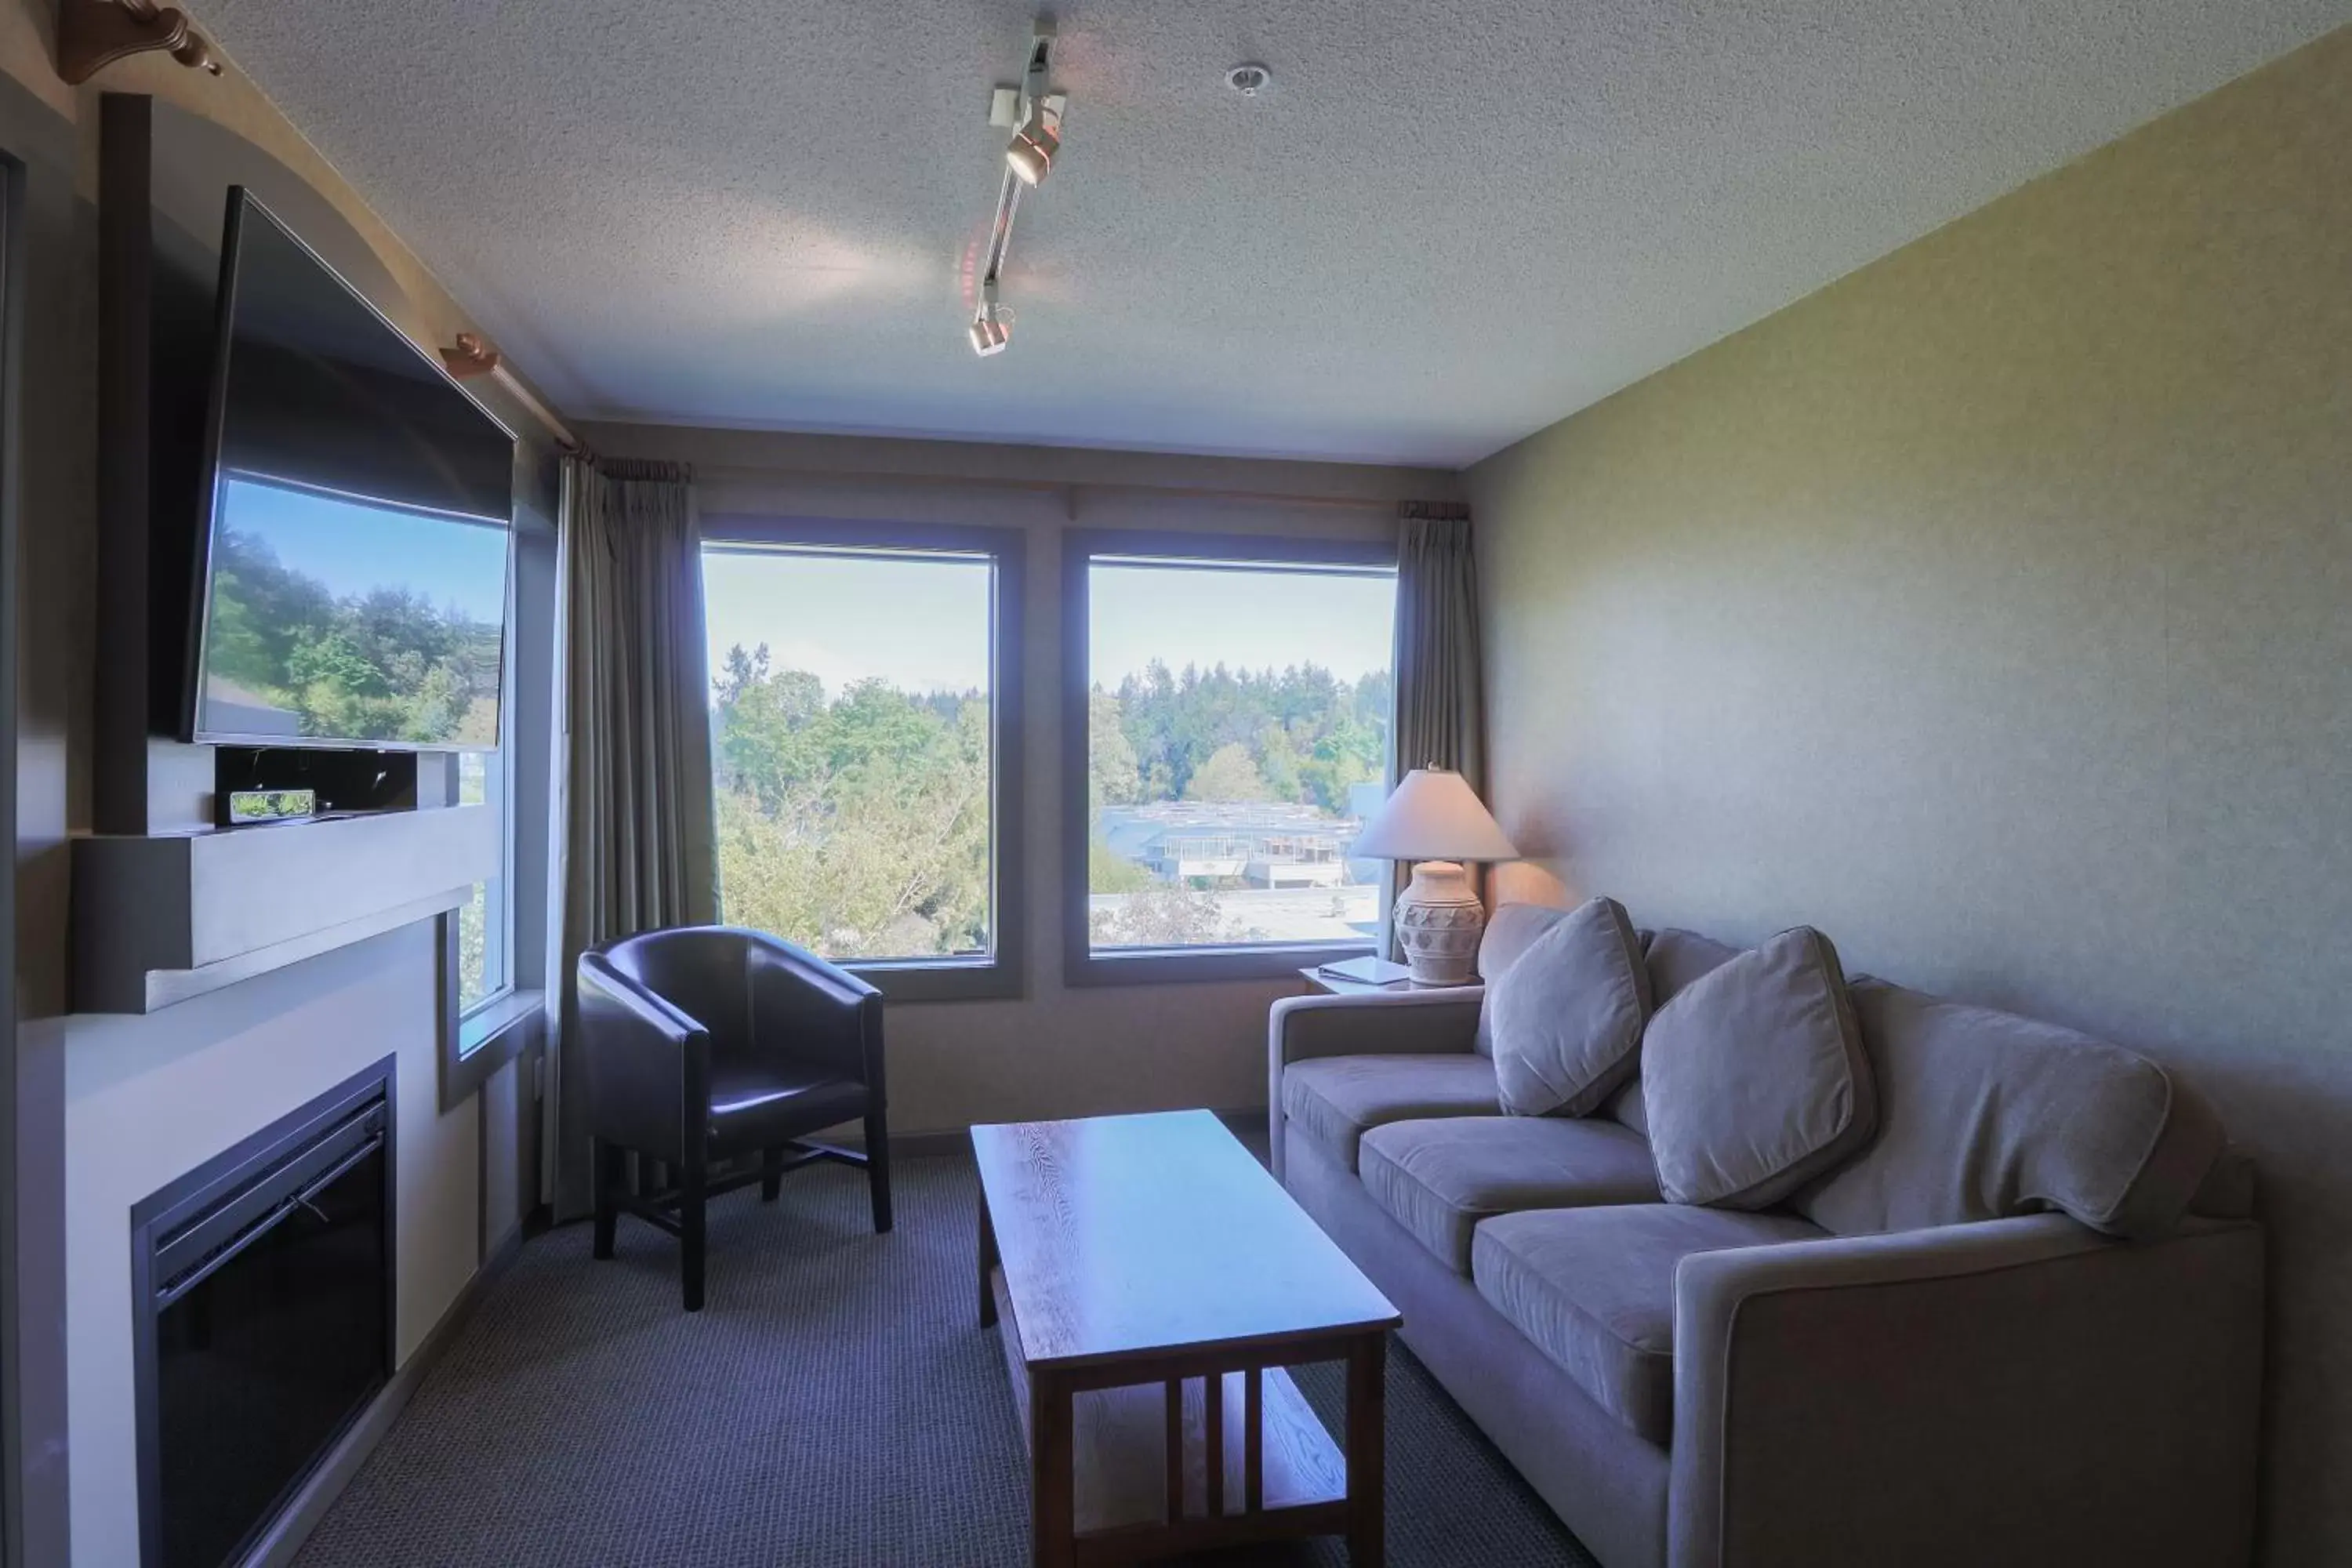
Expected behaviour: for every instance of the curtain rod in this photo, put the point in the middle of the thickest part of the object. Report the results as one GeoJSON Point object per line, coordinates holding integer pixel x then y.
{"type": "Point", "coordinates": [1069, 489]}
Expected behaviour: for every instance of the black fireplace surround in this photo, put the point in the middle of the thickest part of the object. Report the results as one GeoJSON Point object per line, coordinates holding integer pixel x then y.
{"type": "Point", "coordinates": [262, 1319]}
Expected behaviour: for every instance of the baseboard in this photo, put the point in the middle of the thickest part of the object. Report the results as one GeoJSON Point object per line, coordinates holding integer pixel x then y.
{"type": "Point", "coordinates": [293, 1527]}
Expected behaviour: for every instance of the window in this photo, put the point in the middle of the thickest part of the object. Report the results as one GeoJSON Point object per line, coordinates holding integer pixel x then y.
{"type": "Point", "coordinates": [1227, 725]}
{"type": "Point", "coordinates": [862, 713]}
{"type": "Point", "coordinates": [484, 930]}
{"type": "Point", "coordinates": [494, 944]}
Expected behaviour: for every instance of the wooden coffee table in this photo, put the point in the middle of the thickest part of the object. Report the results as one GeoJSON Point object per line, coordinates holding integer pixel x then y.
{"type": "Point", "coordinates": [1150, 1280]}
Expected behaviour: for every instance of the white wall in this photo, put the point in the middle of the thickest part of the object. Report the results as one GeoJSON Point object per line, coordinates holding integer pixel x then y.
{"type": "Point", "coordinates": [1054, 1051]}
{"type": "Point", "coordinates": [148, 1099]}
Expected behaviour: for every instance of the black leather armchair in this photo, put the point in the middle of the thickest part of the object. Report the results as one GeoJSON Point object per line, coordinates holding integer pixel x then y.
{"type": "Point", "coordinates": [707, 1045]}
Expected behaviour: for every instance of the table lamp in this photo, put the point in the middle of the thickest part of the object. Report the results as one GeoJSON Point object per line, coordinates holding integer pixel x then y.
{"type": "Point", "coordinates": [1434, 818]}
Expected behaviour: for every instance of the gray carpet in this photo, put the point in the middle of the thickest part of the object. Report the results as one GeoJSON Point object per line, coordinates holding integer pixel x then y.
{"type": "Point", "coordinates": [834, 1403]}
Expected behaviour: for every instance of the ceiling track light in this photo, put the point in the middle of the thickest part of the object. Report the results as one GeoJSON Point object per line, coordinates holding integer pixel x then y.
{"type": "Point", "coordinates": [1030, 154]}
{"type": "Point", "coordinates": [991, 328]}
{"type": "Point", "coordinates": [1036, 116]}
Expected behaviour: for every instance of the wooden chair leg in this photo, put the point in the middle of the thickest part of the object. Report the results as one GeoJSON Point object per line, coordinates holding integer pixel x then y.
{"type": "Point", "coordinates": [605, 1174]}
{"type": "Point", "coordinates": [772, 1174]}
{"type": "Point", "coordinates": [878, 1166]}
{"type": "Point", "coordinates": [691, 1231]}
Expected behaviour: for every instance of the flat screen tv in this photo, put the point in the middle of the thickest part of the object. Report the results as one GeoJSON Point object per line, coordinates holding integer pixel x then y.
{"type": "Point", "coordinates": [351, 573]}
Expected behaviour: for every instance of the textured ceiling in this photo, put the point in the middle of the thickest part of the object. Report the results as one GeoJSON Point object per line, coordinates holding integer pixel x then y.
{"type": "Point", "coordinates": [1442, 228]}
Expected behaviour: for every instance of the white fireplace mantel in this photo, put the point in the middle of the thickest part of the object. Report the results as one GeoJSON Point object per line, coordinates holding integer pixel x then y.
{"type": "Point", "coordinates": [166, 917]}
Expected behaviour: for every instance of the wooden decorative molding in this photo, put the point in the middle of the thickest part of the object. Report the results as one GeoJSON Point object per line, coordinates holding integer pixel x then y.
{"type": "Point", "coordinates": [470, 357]}
{"type": "Point", "coordinates": [94, 33]}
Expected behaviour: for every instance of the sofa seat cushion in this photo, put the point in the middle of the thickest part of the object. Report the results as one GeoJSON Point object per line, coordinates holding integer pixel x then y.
{"type": "Point", "coordinates": [1440, 1178]}
{"type": "Point", "coordinates": [1593, 1288]}
{"type": "Point", "coordinates": [1337, 1099]}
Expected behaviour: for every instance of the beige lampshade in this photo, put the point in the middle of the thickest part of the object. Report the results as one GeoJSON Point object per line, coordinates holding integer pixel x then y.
{"type": "Point", "coordinates": [1434, 816]}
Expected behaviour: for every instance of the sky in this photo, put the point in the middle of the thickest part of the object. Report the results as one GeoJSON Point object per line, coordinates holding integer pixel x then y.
{"type": "Point", "coordinates": [353, 548]}
{"type": "Point", "coordinates": [923, 625]}
{"type": "Point", "coordinates": [1245, 619]}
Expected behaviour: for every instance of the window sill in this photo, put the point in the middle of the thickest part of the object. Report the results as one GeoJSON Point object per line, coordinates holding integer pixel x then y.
{"type": "Point", "coordinates": [941, 979]}
{"type": "Point", "coordinates": [489, 1025]}
{"type": "Point", "coordinates": [489, 1037]}
{"type": "Point", "coordinates": [1166, 966]}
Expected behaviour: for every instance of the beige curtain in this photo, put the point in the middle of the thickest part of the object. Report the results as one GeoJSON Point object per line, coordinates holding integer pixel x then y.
{"type": "Point", "coordinates": [1441, 718]}
{"type": "Point", "coordinates": [633, 849]}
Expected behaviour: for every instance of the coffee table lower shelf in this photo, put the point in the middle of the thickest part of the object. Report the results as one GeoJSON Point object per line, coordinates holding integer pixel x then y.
{"type": "Point", "coordinates": [1130, 1504]}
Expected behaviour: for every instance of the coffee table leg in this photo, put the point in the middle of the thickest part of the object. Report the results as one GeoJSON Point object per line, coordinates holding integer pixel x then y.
{"type": "Point", "coordinates": [987, 1267]}
{"type": "Point", "coordinates": [1052, 1524]}
{"type": "Point", "coordinates": [1367, 1451]}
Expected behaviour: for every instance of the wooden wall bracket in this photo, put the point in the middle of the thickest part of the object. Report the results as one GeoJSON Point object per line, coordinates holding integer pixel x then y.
{"type": "Point", "coordinates": [94, 33]}
{"type": "Point", "coordinates": [470, 357]}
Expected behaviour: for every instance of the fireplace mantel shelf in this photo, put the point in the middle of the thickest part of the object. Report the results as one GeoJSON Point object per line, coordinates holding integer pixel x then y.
{"type": "Point", "coordinates": [163, 919]}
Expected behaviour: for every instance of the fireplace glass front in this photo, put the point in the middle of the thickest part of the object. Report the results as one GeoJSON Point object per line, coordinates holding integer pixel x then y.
{"type": "Point", "coordinates": [266, 1323]}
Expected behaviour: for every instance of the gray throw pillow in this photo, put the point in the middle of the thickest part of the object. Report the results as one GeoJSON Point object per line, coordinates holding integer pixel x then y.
{"type": "Point", "coordinates": [1567, 1017]}
{"type": "Point", "coordinates": [1755, 1078]}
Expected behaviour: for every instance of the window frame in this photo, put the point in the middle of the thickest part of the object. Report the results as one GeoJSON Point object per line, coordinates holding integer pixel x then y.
{"type": "Point", "coordinates": [1082, 965]}
{"type": "Point", "coordinates": [478, 1041]}
{"type": "Point", "coordinates": [497, 902]}
{"type": "Point", "coordinates": [497, 790]}
{"type": "Point", "coordinates": [1001, 974]}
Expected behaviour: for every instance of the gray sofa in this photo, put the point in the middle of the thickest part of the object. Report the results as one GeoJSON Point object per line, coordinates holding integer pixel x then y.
{"type": "Point", "coordinates": [2022, 1326]}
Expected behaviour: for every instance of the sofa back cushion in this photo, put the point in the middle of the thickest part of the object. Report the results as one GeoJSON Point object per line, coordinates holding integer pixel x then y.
{"type": "Point", "coordinates": [1566, 1019]}
{"type": "Point", "coordinates": [1984, 1115]}
{"type": "Point", "coordinates": [1756, 1077]}
{"type": "Point", "coordinates": [1510, 932]}
{"type": "Point", "coordinates": [1676, 959]}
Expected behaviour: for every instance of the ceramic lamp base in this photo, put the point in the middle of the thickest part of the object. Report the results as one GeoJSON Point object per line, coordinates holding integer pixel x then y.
{"type": "Point", "coordinates": [1438, 922]}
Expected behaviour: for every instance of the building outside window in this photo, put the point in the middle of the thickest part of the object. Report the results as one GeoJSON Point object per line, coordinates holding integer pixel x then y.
{"type": "Point", "coordinates": [856, 710]}
{"type": "Point", "coordinates": [1236, 733]}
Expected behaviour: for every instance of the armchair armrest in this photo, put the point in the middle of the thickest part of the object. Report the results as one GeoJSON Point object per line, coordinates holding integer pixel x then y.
{"type": "Point", "coordinates": [638, 1052]}
{"type": "Point", "coordinates": [2019, 1390]}
{"type": "Point", "coordinates": [1390, 1024]}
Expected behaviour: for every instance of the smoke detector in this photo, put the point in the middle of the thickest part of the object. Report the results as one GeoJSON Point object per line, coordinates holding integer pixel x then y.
{"type": "Point", "coordinates": [1249, 80]}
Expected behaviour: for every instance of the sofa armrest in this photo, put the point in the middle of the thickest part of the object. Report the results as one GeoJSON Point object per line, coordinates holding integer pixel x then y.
{"type": "Point", "coordinates": [2019, 1390]}
{"type": "Point", "coordinates": [1389, 1022]}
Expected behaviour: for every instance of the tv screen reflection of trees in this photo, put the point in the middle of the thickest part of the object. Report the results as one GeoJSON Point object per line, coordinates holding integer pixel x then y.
{"type": "Point", "coordinates": [331, 618]}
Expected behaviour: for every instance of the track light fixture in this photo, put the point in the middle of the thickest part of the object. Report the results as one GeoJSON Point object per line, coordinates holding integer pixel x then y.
{"type": "Point", "coordinates": [1034, 116]}
{"type": "Point", "coordinates": [991, 328]}
{"type": "Point", "coordinates": [1031, 157]}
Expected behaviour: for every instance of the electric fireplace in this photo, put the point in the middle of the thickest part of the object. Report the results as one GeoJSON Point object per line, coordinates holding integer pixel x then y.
{"type": "Point", "coordinates": [262, 1315]}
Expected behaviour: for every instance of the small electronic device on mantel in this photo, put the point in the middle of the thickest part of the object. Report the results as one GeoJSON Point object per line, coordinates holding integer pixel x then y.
{"type": "Point", "coordinates": [256, 807]}
{"type": "Point", "coordinates": [339, 784]}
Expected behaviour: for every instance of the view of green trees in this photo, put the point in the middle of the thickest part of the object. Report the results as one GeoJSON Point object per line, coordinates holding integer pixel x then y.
{"type": "Point", "coordinates": [1300, 734]}
{"type": "Point", "coordinates": [855, 826]}
{"type": "Point", "coordinates": [856, 823]}
{"type": "Point", "coordinates": [386, 665]}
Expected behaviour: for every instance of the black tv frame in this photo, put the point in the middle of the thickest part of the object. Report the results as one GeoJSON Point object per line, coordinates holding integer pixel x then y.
{"type": "Point", "coordinates": [200, 576]}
